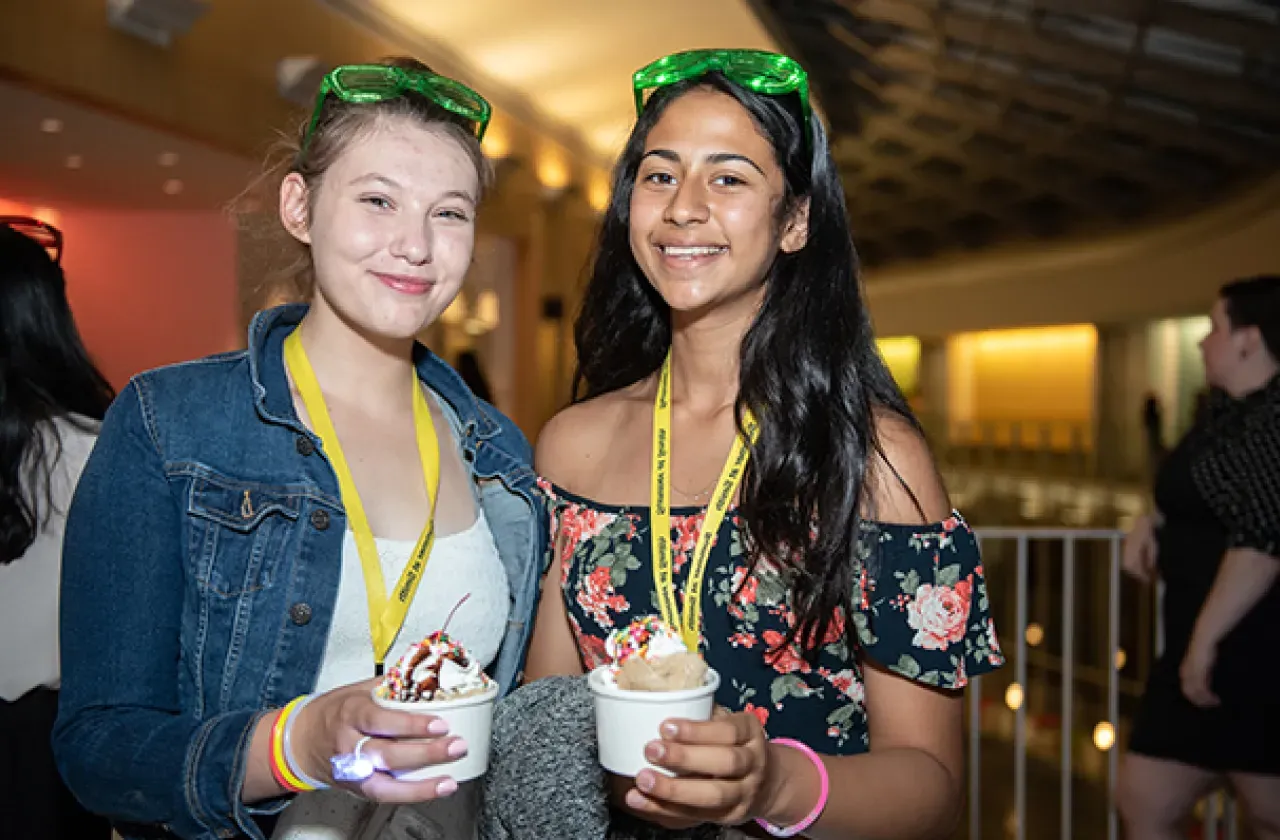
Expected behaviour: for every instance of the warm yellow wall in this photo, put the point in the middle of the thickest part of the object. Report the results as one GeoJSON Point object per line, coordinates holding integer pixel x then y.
{"type": "Point", "coordinates": [902, 355]}
{"type": "Point", "coordinates": [1032, 376]}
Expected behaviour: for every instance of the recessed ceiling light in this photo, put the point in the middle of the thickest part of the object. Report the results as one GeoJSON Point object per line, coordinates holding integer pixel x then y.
{"type": "Point", "coordinates": [168, 159]}
{"type": "Point", "coordinates": [51, 125]}
{"type": "Point", "coordinates": [75, 161]}
{"type": "Point", "coordinates": [172, 186]}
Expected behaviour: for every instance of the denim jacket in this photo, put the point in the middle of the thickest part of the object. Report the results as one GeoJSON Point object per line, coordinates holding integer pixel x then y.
{"type": "Point", "coordinates": [201, 565]}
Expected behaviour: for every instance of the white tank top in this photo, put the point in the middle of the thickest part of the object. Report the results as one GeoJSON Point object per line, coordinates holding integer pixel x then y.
{"type": "Point", "coordinates": [465, 563]}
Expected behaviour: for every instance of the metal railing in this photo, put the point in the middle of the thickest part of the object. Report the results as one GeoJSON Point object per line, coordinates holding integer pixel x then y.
{"type": "Point", "coordinates": [1219, 810]}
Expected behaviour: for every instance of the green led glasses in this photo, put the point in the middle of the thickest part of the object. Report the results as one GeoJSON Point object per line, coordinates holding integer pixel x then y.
{"type": "Point", "coordinates": [368, 83]}
{"type": "Point", "coordinates": [763, 72]}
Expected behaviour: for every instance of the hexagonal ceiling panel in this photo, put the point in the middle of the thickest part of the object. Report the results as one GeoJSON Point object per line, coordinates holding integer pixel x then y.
{"type": "Point", "coordinates": [965, 124]}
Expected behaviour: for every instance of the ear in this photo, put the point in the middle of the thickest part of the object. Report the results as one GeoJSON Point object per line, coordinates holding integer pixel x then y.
{"type": "Point", "coordinates": [795, 233]}
{"type": "Point", "coordinates": [295, 210]}
{"type": "Point", "coordinates": [1249, 340]}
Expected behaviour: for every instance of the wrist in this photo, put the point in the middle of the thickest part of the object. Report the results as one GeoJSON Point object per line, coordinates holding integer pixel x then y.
{"type": "Point", "coordinates": [794, 787]}
{"type": "Point", "coordinates": [310, 760]}
{"type": "Point", "coordinates": [1202, 640]}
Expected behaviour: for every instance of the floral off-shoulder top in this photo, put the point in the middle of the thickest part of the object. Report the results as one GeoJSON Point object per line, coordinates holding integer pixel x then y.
{"type": "Point", "coordinates": [921, 611]}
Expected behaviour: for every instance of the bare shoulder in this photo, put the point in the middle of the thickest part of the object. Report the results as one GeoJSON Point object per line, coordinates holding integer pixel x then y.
{"type": "Point", "coordinates": [575, 442]}
{"type": "Point", "coordinates": [902, 479]}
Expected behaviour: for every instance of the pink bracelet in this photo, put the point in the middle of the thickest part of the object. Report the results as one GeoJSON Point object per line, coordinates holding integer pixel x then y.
{"type": "Point", "coordinates": [793, 830]}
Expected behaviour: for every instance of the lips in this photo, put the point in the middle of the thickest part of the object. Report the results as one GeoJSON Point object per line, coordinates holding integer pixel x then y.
{"type": "Point", "coordinates": [405, 284]}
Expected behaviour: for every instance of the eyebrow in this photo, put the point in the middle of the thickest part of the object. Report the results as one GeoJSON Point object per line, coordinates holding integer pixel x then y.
{"type": "Point", "coordinates": [394, 184]}
{"type": "Point", "coordinates": [717, 157]}
{"type": "Point", "coordinates": [373, 176]}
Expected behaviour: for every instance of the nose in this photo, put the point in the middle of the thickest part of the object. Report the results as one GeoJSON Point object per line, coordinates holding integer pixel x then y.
{"type": "Point", "coordinates": [413, 241]}
{"type": "Point", "coordinates": [688, 204]}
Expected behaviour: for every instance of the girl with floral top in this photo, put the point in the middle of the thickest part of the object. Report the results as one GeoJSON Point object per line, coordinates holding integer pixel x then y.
{"type": "Point", "coordinates": [820, 569]}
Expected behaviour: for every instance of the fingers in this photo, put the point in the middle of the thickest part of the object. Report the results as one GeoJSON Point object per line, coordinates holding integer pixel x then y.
{"type": "Point", "coordinates": [716, 762]}
{"type": "Point", "coordinates": [399, 755]}
{"type": "Point", "coordinates": [665, 814]}
{"type": "Point", "coordinates": [722, 730]}
{"type": "Point", "coordinates": [705, 794]}
{"type": "Point", "coordinates": [372, 719]}
{"type": "Point", "coordinates": [1199, 693]}
{"type": "Point", "coordinates": [381, 787]}
{"type": "Point", "coordinates": [1195, 685]}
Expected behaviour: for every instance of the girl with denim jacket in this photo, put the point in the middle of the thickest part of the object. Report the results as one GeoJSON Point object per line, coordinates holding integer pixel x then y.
{"type": "Point", "coordinates": [219, 544]}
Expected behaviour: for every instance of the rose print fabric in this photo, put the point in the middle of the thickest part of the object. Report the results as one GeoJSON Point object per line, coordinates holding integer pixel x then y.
{"type": "Point", "coordinates": [922, 612]}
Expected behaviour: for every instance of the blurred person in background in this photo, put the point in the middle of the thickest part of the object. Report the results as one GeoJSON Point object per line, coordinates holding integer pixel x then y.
{"type": "Point", "coordinates": [1153, 429]}
{"type": "Point", "coordinates": [472, 373]}
{"type": "Point", "coordinates": [1211, 711]}
{"type": "Point", "coordinates": [52, 399]}
{"type": "Point", "coordinates": [256, 531]}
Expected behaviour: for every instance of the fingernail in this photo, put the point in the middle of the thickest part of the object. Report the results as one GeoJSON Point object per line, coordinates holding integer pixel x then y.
{"type": "Point", "coordinates": [645, 782]}
{"type": "Point", "coordinates": [670, 730]}
{"type": "Point", "coordinates": [655, 751]}
{"type": "Point", "coordinates": [447, 788]}
{"type": "Point", "coordinates": [438, 727]}
{"type": "Point", "coordinates": [457, 749]}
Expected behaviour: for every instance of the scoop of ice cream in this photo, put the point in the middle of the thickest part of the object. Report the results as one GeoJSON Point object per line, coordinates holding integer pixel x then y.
{"type": "Point", "coordinates": [437, 668]}
{"type": "Point", "coordinates": [649, 655]}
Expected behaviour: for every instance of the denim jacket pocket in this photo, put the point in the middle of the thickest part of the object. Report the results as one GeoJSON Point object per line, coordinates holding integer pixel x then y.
{"type": "Point", "coordinates": [238, 532]}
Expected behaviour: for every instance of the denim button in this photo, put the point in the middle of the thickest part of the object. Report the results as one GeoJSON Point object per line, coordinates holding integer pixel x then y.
{"type": "Point", "coordinates": [300, 613]}
{"type": "Point", "coordinates": [304, 445]}
{"type": "Point", "coordinates": [320, 519]}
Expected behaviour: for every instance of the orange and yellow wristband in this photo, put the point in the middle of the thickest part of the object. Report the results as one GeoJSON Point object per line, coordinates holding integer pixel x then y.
{"type": "Point", "coordinates": [284, 767]}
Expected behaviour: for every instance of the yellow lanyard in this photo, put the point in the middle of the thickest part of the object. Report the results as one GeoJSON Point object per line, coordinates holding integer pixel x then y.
{"type": "Point", "coordinates": [690, 623]}
{"type": "Point", "coordinates": [386, 614]}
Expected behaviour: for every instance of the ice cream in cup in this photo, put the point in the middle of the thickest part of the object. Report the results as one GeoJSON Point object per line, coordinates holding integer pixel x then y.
{"type": "Point", "coordinates": [438, 677]}
{"type": "Point", "coordinates": [652, 677]}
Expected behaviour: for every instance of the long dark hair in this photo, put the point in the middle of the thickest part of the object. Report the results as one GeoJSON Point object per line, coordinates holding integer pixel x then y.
{"type": "Point", "coordinates": [1255, 302]}
{"type": "Point", "coordinates": [810, 369]}
{"type": "Point", "coordinates": [45, 372]}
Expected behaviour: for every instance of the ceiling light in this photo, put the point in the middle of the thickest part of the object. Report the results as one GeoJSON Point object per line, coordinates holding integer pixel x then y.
{"type": "Point", "coordinates": [553, 173]}
{"type": "Point", "coordinates": [172, 186]}
{"type": "Point", "coordinates": [298, 77]}
{"type": "Point", "coordinates": [157, 21]}
{"type": "Point", "coordinates": [168, 159]}
{"type": "Point", "coordinates": [51, 125]}
{"type": "Point", "coordinates": [598, 192]}
{"type": "Point", "coordinates": [75, 161]}
{"type": "Point", "coordinates": [497, 141]}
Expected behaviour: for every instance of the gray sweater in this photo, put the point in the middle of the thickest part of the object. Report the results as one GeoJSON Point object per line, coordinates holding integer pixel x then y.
{"type": "Point", "coordinates": [544, 780]}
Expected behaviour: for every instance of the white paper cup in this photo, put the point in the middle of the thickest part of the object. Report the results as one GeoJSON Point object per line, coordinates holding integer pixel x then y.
{"type": "Point", "coordinates": [469, 718]}
{"type": "Point", "coordinates": [628, 720]}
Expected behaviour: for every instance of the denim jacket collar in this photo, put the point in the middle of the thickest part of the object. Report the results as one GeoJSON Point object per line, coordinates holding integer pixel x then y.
{"type": "Point", "coordinates": [271, 327]}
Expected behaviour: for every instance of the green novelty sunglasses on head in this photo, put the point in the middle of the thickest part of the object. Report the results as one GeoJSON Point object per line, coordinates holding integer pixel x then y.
{"type": "Point", "coordinates": [368, 83]}
{"type": "Point", "coordinates": [767, 73]}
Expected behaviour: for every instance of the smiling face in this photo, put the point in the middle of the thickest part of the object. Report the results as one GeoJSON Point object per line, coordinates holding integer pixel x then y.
{"type": "Point", "coordinates": [705, 207]}
{"type": "Point", "coordinates": [391, 227]}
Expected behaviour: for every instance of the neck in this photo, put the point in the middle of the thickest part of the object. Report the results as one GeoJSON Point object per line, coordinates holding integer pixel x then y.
{"type": "Point", "coordinates": [354, 367]}
{"type": "Point", "coordinates": [706, 351]}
